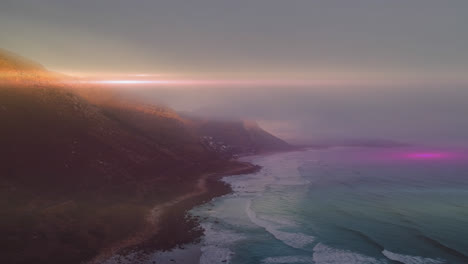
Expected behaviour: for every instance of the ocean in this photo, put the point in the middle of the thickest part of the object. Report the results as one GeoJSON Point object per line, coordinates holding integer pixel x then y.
{"type": "Point", "coordinates": [342, 205]}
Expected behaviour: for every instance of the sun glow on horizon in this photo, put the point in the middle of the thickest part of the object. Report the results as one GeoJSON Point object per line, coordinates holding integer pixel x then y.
{"type": "Point", "coordinates": [153, 80]}
{"type": "Point", "coordinates": [132, 82]}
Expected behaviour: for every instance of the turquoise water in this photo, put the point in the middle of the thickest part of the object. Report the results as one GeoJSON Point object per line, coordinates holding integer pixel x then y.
{"type": "Point", "coordinates": [341, 205]}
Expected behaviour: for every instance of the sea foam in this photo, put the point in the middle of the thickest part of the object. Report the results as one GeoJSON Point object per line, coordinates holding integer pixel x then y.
{"type": "Point", "coordinates": [406, 259]}
{"type": "Point", "coordinates": [328, 255]}
{"type": "Point", "coordinates": [288, 260]}
{"type": "Point", "coordinates": [295, 240]}
{"type": "Point", "coordinates": [216, 244]}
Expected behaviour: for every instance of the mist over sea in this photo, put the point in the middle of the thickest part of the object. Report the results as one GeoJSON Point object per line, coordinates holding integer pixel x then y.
{"type": "Point", "coordinates": [342, 205]}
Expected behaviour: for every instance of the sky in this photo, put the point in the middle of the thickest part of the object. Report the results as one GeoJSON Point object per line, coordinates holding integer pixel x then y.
{"type": "Point", "coordinates": [372, 37]}
{"type": "Point", "coordinates": [308, 69]}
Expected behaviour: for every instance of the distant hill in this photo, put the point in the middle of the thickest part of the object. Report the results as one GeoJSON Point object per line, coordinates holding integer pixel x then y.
{"type": "Point", "coordinates": [80, 167]}
{"type": "Point", "coordinates": [239, 137]}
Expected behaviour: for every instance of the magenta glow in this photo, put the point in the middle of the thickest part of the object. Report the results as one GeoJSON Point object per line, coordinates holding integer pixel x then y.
{"type": "Point", "coordinates": [429, 155]}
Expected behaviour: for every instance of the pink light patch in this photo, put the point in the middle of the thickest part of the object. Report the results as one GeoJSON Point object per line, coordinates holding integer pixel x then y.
{"type": "Point", "coordinates": [427, 155]}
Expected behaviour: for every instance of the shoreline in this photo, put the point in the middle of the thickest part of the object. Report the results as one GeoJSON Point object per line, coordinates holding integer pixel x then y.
{"type": "Point", "coordinates": [167, 225]}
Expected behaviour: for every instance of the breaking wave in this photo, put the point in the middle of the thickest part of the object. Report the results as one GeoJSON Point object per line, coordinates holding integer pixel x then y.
{"type": "Point", "coordinates": [295, 240]}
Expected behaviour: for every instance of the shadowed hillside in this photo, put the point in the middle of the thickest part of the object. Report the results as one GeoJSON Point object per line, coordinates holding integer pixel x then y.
{"type": "Point", "coordinates": [80, 170]}
{"type": "Point", "coordinates": [76, 176]}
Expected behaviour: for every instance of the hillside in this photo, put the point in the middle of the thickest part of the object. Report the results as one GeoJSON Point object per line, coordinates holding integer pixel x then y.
{"type": "Point", "coordinates": [80, 170]}
{"type": "Point", "coordinates": [75, 177]}
{"type": "Point", "coordinates": [17, 70]}
{"type": "Point", "coordinates": [237, 137]}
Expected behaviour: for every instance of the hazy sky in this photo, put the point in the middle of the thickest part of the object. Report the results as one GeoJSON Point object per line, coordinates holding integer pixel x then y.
{"type": "Point", "coordinates": [401, 64]}
{"type": "Point", "coordinates": [278, 37]}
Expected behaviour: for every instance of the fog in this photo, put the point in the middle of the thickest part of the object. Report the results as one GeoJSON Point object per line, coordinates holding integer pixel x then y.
{"type": "Point", "coordinates": [433, 115]}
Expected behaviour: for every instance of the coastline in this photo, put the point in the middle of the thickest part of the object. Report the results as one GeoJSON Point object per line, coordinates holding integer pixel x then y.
{"type": "Point", "coordinates": [168, 227]}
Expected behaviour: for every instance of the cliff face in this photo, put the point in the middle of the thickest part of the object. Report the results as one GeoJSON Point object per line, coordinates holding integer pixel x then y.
{"type": "Point", "coordinates": [79, 168]}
